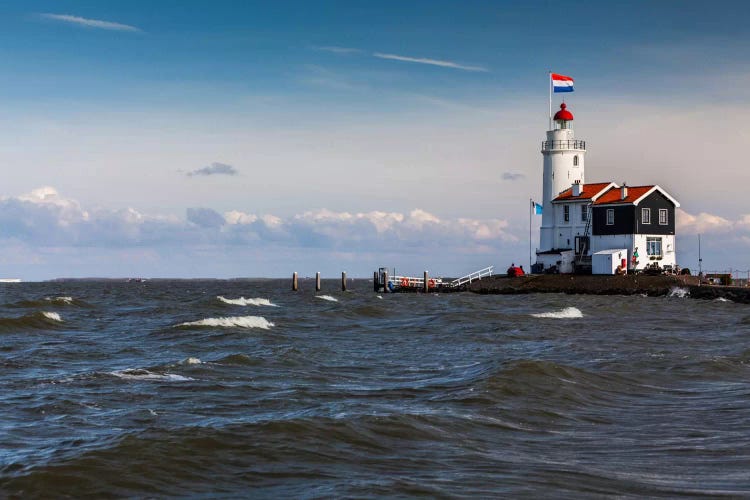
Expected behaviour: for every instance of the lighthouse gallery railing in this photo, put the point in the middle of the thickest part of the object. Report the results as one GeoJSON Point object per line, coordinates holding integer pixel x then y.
{"type": "Point", "coordinates": [569, 144]}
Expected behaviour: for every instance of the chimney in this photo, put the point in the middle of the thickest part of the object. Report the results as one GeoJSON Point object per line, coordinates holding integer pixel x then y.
{"type": "Point", "coordinates": [577, 188]}
{"type": "Point", "coordinates": [624, 191]}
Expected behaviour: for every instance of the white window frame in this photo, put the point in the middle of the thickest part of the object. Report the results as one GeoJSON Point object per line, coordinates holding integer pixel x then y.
{"type": "Point", "coordinates": [645, 216]}
{"type": "Point", "coordinates": [610, 216]}
{"type": "Point", "coordinates": [654, 247]}
{"type": "Point", "coordinates": [663, 217]}
{"type": "Point", "coordinates": [584, 213]}
{"type": "Point", "coordinates": [566, 213]}
{"type": "Point", "coordinates": [575, 161]}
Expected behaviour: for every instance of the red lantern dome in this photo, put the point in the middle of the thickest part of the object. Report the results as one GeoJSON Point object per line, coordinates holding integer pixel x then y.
{"type": "Point", "coordinates": [563, 114]}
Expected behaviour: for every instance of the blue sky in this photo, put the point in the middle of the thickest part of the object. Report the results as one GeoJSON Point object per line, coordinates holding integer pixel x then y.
{"type": "Point", "coordinates": [259, 138]}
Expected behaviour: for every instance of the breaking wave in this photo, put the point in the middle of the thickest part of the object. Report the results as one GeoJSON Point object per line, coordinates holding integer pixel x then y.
{"type": "Point", "coordinates": [52, 315]}
{"type": "Point", "coordinates": [242, 301]}
{"type": "Point", "coordinates": [327, 297]}
{"type": "Point", "coordinates": [233, 321]}
{"type": "Point", "coordinates": [141, 374]}
{"type": "Point", "coordinates": [679, 292]}
{"type": "Point", "coordinates": [567, 313]}
{"type": "Point", "coordinates": [37, 320]}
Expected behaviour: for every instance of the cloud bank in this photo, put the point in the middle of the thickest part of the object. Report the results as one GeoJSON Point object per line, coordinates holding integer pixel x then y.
{"type": "Point", "coordinates": [90, 23]}
{"type": "Point", "coordinates": [44, 217]}
{"type": "Point", "coordinates": [45, 227]}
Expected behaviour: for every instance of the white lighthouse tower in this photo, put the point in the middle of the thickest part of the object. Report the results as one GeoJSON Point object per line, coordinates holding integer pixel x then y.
{"type": "Point", "coordinates": [563, 167]}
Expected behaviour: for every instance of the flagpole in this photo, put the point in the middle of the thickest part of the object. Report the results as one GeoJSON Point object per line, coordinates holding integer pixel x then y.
{"type": "Point", "coordinates": [531, 208]}
{"type": "Point", "coordinates": [550, 100]}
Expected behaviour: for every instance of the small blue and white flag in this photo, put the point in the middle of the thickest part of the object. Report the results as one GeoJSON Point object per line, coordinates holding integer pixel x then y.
{"type": "Point", "coordinates": [537, 208]}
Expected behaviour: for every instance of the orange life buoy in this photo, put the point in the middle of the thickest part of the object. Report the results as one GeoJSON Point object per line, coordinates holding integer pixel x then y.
{"type": "Point", "coordinates": [431, 284]}
{"type": "Point", "coordinates": [404, 281]}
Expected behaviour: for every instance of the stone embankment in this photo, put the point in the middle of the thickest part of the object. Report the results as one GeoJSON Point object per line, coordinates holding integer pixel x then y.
{"type": "Point", "coordinates": [607, 285]}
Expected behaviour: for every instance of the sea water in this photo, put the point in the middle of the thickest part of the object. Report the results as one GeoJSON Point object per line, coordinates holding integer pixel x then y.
{"type": "Point", "coordinates": [244, 388]}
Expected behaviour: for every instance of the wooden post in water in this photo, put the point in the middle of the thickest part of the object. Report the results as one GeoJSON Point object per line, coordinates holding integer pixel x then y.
{"type": "Point", "coordinates": [385, 281]}
{"type": "Point", "coordinates": [425, 285]}
{"type": "Point", "coordinates": [343, 281]}
{"type": "Point", "coordinates": [295, 284]}
{"type": "Point", "coordinates": [376, 285]}
{"type": "Point", "coordinates": [317, 281]}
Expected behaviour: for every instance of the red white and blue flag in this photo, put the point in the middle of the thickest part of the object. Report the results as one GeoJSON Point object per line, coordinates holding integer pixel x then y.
{"type": "Point", "coordinates": [562, 83]}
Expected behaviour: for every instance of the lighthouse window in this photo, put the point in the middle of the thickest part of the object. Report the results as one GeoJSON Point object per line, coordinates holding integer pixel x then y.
{"type": "Point", "coordinates": [566, 213]}
{"type": "Point", "coordinates": [610, 216]}
{"type": "Point", "coordinates": [575, 161]}
{"type": "Point", "coordinates": [653, 247]}
{"type": "Point", "coordinates": [646, 215]}
{"type": "Point", "coordinates": [663, 216]}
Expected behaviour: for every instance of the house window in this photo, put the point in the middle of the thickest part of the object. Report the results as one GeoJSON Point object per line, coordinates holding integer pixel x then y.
{"type": "Point", "coordinates": [610, 216]}
{"type": "Point", "coordinates": [646, 216]}
{"type": "Point", "coordinates": [663, 216]}
{"type": "Point", "coordinates": [584, 213]}
{"type": "Point", "coordinates": [566, 213]}
{"type": "Point", "coordinates": [653, 247]}
{"type": "Point", "coordinates": [575, 161]}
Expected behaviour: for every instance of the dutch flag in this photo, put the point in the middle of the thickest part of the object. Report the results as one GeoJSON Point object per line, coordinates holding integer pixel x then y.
{"type": "Point", "coordinates": [562, 83]}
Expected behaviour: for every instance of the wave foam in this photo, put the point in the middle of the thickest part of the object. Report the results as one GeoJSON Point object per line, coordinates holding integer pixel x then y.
{"type": "Point", "coordinates": [140, 374]}
{"type": "Point", "coordinates": [52, 315]}
{"type": "Point", "coordinates": [242, 301]}
{"type": "Point", "coordinates": [327, 297]}
{"type": "Point", "coordinates": [60, 300]}
{"type": "Point", "coordinates": [233, 321]}
{"type": "Point", "coordinates": [567, 313]}
{"type": "Point", "coordinates": [192, 361]}
{"type": "Point", "coordinates": [677, 291]}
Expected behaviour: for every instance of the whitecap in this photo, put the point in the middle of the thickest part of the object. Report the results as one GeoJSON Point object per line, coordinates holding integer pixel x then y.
{"type": "Point", "coordinates": [52, 315]}
{"type": "Point", "coordinates": [242, 301]}
{"type": "Point", "coordinates": [233, 321]}
{"type": "Point", "coordinates": [379, 296]}
{"type": "Point", "coordinates": [140, 374]}
{"type": "Point", "coordinates": [722, 299]}
{"type": "Point", "coordinates": [192, 361]}
{"type": "Point", "coordinates": [327, 297]}
{"type": "Point", "coordinates": [677, 291]}
{"type": "Point", "coordinates": [567, 313]}
{"type": "Point", "coordinates": [64, 300]}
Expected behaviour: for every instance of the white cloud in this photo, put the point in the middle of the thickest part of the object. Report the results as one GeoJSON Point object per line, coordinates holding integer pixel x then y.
{"type": "Point", "coordinates": [432, 62]}
{"type": "Point", "coordinates": [704, 223]}
{"type": "Point", "coordinates": [90, 23]}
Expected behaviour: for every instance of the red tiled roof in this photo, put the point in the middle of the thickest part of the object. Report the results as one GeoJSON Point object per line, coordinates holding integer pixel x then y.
{"type": "Point", "coordinates": [588, 191]}
{"type": "Point", "coordinates": [614, 195]}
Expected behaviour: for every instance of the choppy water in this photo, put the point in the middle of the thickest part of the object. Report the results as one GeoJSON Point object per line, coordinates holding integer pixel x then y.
{"type": "Point", "coordinates": [243, 388]}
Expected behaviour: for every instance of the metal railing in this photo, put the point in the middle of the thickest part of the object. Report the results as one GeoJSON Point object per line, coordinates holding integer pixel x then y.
{"type": "Point", "coordinates": [412, 282]}
{"type": "Point", "coordinates": [569, 144]}
{"type": "Point", "coordinates": [476, 275]}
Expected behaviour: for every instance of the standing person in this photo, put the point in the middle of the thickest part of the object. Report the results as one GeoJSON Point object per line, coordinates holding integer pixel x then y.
{"type": "Point", "coordinates": [634, 259]}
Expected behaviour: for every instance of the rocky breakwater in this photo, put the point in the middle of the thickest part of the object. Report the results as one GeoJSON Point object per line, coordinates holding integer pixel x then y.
{"type": "Point", "coordinates": [584, 284]}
